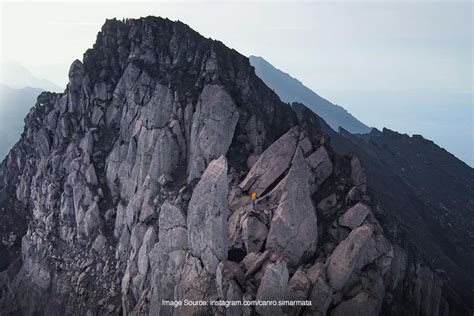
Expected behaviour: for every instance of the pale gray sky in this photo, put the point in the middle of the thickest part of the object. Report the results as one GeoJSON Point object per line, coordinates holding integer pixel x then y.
{"type": "Point", "coordinates": [363, 55]}
{"type": "Point", "coordinates": [351, 44]}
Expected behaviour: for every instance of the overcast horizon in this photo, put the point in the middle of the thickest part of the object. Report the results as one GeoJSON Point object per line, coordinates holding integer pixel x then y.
{"type": "Point", "coordinates": [402, 65]}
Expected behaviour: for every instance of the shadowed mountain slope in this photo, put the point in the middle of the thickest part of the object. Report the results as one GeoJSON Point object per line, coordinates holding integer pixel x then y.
{"type": "Point", "coordinates": [291, 90]}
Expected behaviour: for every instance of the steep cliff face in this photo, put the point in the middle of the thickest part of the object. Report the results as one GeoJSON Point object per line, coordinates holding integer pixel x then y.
{"type": "Point", "coordinates": [132, 188]}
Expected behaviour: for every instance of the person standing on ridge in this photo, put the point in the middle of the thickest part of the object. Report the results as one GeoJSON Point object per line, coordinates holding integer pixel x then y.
{"type": "Point", "coordinates": [254, 198]}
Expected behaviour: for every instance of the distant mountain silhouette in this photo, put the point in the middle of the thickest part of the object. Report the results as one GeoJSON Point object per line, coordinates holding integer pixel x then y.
{"type": "Point", "coordinates": [14, 106]}
{"type": "Point", "coordinates": [291, 90]}
{"type": "Point", "coordinates": [17, 76]}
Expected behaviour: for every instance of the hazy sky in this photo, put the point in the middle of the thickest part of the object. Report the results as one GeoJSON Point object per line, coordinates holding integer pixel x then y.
{"type": "Point", "coordinates": [350, 52]}
{"type": "Point", "coordinates": [355, 45]}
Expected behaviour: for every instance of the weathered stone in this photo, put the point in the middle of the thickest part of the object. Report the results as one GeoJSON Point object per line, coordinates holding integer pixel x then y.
{"type": "Point", "coordinates": [196, 284]}
{"type": "Point", "coordinates": [377, 248]}
{"type": "Point", "coordinates": [91, 176]}
{"type": "Point", "coordinates": [305, 144]}
{"type": "Point", "coordinates": [251, 160]}
{"type": "Point", "coordinates": [234, 293]}
{"type": "Point", "coordinates": [235, 242]}
{"type": "Point", "coordinates": [299, 288]}
{"type": "Point", "coordinates": [87, 143]}
{"type": "Point", "coordinates": [92, 220]}
{"type": "Point", "coordinates": [160, 107]}
{"type": "Point", "coordinates": [354, 216]}
{"type": "Point", "coordinates": [254, 234]}
{"type": "Point", "coordinates": [148, 242]}
{"type": "Point", "coordinates": [172, 232]}
{"type": "Point", "coordinates": [321, 293]}
{"type": "Point", "coordinates": [147, 211]}
{"type": "Point", "coordinates": [207, 216]}
{"type": "Point", "coordinates": [362, 304]}
{"type": "Point", "coordinates": [40, 276]}
{"type": "Point", "coordinates": [345, 256]}
{"type": "Point", "coordinates": [293, 229]}
{"type": "Point", "coordinates": [212, 130]}
{"type": "Point", "coordinates": [166, 258]}
{"type": "Point", "coordinates": [272, 163]}
{"type": "Point", "coordinates": [99, 243]}
{"type": "Point", "coordinates": [354, 195]}
{"type": "Point", "coordinates": [164, 159]}
{"type": "Point", "coordinates": [225, 274]}
{"type": "Point", "coordinates": [398, 268]}
{"type": "Point", "coordinates": [97, 115]}
{"type": "Point", "coordinates": [253, 261]}
{"type": "Point", "coordinates": [43, 142]}
{"type": "Point", "coordinates": [338, 233]}
{"type": "Point", "coordinates": [321, 164]}
{"type": "Point", "coordinates": [273, 287]}
{"type": "Point", "coordinates": [327, 203]}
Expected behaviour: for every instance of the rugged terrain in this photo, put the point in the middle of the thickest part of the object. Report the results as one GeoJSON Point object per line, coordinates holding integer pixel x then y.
{"type": "Point", "coordinates": [132, 187]}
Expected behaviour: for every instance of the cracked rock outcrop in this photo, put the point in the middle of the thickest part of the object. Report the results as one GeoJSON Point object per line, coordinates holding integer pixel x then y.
{"type": "Point", "coordinates": [131, 190]}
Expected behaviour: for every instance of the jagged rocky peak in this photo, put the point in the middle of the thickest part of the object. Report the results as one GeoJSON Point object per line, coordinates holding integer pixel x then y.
{"type": "Point", "coordinates": [133, 188]}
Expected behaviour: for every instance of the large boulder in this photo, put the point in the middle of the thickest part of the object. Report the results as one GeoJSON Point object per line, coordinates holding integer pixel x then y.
{"type": "Point", "coordinates": [299, 288]}
{"type": "Point", "coordinates": [254, 233]}
{"type": "Point", "coordinates": [354, 216]}
{"type": "Point", "coordinates": [207, 216]}
{"type": "Point", "coordinates": [272, 163]}
{"type": "Point", "coordinates": [273, 287]}
{"type": "Point", "coordinates": [320, 163]}
{"type": "Point", "coordinates": [360, 305]}
{"type": "Point", "coordinates": [293, 229]}
{"type": "Point", "coordinates": [167, 257]}
{"type": "Point", "coordinates": [346, 255]}
{"type": "Point", "coordinates": [321, 293]}
{"type": "Point", "coordinates": [196, 284]}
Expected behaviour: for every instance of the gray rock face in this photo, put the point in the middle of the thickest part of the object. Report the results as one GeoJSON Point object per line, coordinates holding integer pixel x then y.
{"type": "Point", "coordinates": [167, 257]}
{"type": "Point", "coordinates": [346, 255]}
{"type": "Point", "coordinates": [362, 304]}
{"type": "Point", "coordinates": [354, 216]}
{"type": "Point", "coordinates": [293, 230]}
{"type": "Point", "coordinates": [99, 243]}
{"type": "Point", "coordinates": [321, 164]}
{"type": "Point", "coordinates": [273, 287]}
{"type": "Point", "coordinates": [212, 130]}
{"type": "Point", "coordinates": [321, 293]}
{"type": "Point", "coordinates": [299, 288]}
{"type": "Point", "coordinates": [207, 216]}
{"type": "Point", "coordinates": [196, 284]}
{"type": "Point", "coordinates": [320, 297]}
{"type": "Point", "coordinates": [273, 162]}
{"type": "Point", "coordinates": [254, 233]}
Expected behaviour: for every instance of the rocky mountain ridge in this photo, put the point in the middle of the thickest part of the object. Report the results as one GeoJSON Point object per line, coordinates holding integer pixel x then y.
{"type": "Point", "coordinates": [132, 187]}
{"type": "Point", "coordinates": [292, 90]}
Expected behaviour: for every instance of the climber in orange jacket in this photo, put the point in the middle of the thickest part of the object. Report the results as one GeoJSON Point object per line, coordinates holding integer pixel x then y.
{"type": "Point", "coordinates": [254, 198]}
